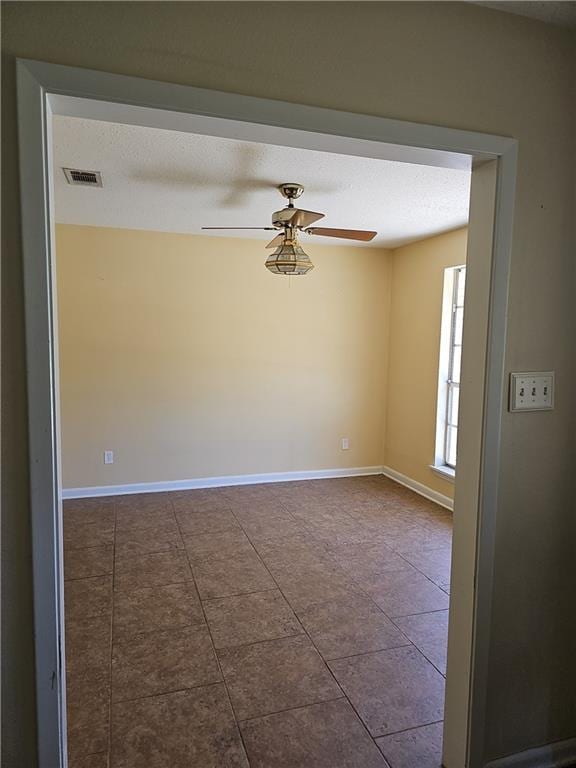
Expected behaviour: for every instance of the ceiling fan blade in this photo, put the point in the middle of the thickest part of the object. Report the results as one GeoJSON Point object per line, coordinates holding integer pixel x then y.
{"type": "Point", "coordinates": [270, 228]}
{"type": "Point", "coordinates": [347, 234]}
{"type": "Point", "coordinates": [278, 240]}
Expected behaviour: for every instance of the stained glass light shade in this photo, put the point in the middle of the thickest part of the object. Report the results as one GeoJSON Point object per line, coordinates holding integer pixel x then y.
{"type": "Point", "coordinates": [289, 259]}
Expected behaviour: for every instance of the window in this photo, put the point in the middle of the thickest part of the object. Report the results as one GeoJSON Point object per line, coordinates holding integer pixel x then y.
{"type": "Point", "coordinates": [449, 369]}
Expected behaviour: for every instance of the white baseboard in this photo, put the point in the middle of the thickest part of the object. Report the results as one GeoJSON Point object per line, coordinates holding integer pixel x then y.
{"type": "Point", "coordinates": [423, 490]}
{"type": "Point", "coordinates": [216, 482]}
{"type": "Point", "coordinates": [561, 754]}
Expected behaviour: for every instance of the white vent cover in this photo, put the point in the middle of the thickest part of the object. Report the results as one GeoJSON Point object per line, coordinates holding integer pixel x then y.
{"type": "Point", "coordinates": [83, 178]}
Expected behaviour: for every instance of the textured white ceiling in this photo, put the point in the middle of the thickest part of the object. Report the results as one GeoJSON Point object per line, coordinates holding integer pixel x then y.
{"type": "Point", "coordinates": [178, 182]}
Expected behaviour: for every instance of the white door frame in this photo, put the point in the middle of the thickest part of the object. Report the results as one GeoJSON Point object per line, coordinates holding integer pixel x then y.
{"type": "Point", "coordinates": [44, 89]}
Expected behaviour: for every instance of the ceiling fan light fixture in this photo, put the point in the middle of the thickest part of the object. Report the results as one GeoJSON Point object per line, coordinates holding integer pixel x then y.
{"type": "Point", "coordinates": [289, 259]}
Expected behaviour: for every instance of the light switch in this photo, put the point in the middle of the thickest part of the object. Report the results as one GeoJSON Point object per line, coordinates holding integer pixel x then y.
{"type": "Point", "coordinates": [532, 391]}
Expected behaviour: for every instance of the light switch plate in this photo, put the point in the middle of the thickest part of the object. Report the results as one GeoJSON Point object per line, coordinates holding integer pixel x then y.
{"type": "Point", "coordinates": [532, 391]}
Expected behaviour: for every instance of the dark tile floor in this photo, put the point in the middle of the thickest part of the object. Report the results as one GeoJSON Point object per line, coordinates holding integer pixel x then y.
{"type": "Point", "coordinates": [294, 625]}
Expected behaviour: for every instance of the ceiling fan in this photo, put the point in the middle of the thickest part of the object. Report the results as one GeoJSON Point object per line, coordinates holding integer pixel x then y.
{"type": "Point", "coordinates": [289, 257]}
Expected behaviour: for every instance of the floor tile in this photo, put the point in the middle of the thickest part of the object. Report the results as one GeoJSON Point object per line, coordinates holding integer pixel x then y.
{"type": "Point", "coordinates": [429, 633]}
{"type": "Point", "coordinates": [159, 537]}
{"type": "Point", "coordinates": [271, 528]}
{"type": "Point", "coordinates": [84, 598]}
{"type": "Point", "coordinates": [195, 503]}
{"type": "Point", "coordinates": [88, 708]}
{"type": "Point", "coordinates": [327, 543]}
{"type": "Point", "coordinates": [223, 544]}
{"type": "Point", "coordinates": [80, 535]}
{"type": "Point", "coordinates": [143, 502]}
{"type": "Point", "coordinates": [250, 618]}
{"type": "Point", "coordinates": [304, 586]}
{"type": "Point", "coordinates": [94, 510]}
{"type": "Point", "coordinates": [413, 540]}
{"type": "Point", "coordinates": [340, 532]}
{"type": "Point", "coordinates": [239, 494]}
{"type": "Point", "coordinates": [151, 570]}
{"type": "Point", "coordinates": [274, 675]}
{"type": "Point", "coordinates": [210, 521]}
{"type": "Point", "coordinates": [92, 561]}
{"type": "Point", "coordinates": [327, 735]}
{"type": "Point", "coordinates": [178, 730]}
{"type": "Point", "coordinates": [234, 575]}
{"type": "Point", "coordinates": [99, 760]}
{"type": "Point", "coordinates": [367, 559]}
{"type": "Point", "coordinates": [318, 513]}
{"type": "Point", "coordinates": [299, 551]}
{"type": "Point", "coordinates": [401, 593]}
{"type": "Point", "coordinates": [159, 662]}
{"type": "Point", "coordinates": [416, 748]}
{"type": "Point", "coordinates": [262, 513]}
{"type": "Point", "coordinates": [435, 521]}
{"type": "Point", "coordinates": [392, 690]}
{"type": "Point", "coordinates": [433, 563]}
{"type": "Point", "coordinates": [348, 627]}
{"type": "Point", "coordinates": [148, 517]}
{"type": "Point", "coordinates": [88, 647]}
{"type": "Point", "coordinates": [151, 609]}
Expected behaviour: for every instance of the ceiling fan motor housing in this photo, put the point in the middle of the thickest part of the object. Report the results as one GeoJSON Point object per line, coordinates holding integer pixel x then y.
{"type": "Point", "coordinates": [291, 190]}
{"type": "Point", "coordinates": [284, 217]}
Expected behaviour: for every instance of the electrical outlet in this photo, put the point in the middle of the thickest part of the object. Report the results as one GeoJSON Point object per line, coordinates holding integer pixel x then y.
{"type": "Point", "coordinates": [108, 457]}
{"type": "Point", "coordinates": [532, 391]}
{"type": "Point", "coordinates": [344, 444]}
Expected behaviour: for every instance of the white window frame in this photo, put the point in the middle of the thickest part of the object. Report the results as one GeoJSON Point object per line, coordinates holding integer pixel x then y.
{"type": "Point", "coordinates": [445, 380]}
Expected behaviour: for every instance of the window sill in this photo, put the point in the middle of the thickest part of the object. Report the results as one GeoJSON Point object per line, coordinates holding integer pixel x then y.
{"type": "Point", "coordinates": [447, 473]}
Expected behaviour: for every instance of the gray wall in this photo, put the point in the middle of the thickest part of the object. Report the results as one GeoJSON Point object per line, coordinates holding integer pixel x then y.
{"type": "Point", "coordinates": [452, 64]}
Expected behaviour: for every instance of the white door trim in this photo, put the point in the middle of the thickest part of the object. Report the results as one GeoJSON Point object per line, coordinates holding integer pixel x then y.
{"type": "Point", "coordinates": [43, 87]}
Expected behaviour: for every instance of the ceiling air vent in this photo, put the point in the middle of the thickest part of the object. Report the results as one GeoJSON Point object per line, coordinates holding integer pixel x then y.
{"type": "Point", "coordinates": [83, 178]}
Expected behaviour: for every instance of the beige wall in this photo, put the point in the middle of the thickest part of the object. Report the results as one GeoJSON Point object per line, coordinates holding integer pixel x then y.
{"type": "Point", "coordinates": [415, 318]}
{"type": "Point", "coordinates": [452, 64]}
{"type": "Point", "coordinates": [189, 359]}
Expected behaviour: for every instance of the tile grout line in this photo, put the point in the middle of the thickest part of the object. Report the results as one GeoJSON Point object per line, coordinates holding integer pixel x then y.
{"type": "Point", "coordinates": [257, 642]}
{"type": "Point", "coordinates": [408, 644]}
{"type": "Point", "coordinates": [239, 594]}
{"type": "Point", "coordinates": [109, 750]}
{"type": "Point", "coordinates": [407, 730]}
{"type": "Point", "coordinates": [344, 695]}
{"type": "Point", "coordinates": [111, 702]}
{"type": "Point", "coordinates": [168, 693]}
{"type": "Point", "coordinates": [238, 729]}
{"type": "Point", "coordinates": [422, 572]}
{"type": "Point", "coordinates": [292, 709]}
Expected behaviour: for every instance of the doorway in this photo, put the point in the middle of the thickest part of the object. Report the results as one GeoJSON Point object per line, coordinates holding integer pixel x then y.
{"type": "Point", "coordinates": [46, 89]}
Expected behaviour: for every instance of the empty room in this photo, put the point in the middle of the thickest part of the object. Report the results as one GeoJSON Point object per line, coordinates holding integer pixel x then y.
{"type": "Point", "coordinates": [246, 486]}
{"type": "Point", "coordinates": [258, 422]}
